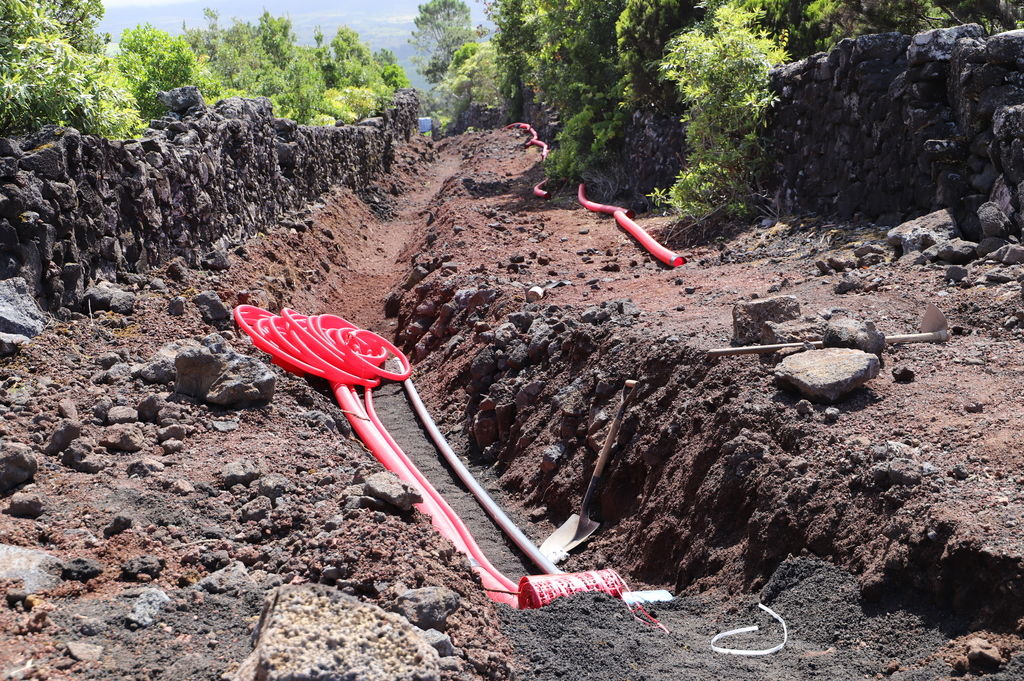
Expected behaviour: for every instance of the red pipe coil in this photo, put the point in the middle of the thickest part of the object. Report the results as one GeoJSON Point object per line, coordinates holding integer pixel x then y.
{"type": "Point", "coordinates": [624, 218]}
{"type": "Point", "coordinates": [534, 140]}
{"type": "Point", "coordinates": [336, 350]}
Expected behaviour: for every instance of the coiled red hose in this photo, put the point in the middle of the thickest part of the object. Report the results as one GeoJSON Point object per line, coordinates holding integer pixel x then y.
{"type": "Point", "coordinates": [336, 350]}
{"type": "Point", "coordinates": [624, 218]}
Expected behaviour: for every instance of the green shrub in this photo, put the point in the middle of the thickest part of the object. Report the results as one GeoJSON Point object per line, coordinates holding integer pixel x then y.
{"type": "Point", "coordinates": [472, 77]}
{"type": "Point", "coordinates": [722, 75]}
{"type": "Point", "coordinates": [340, 79]}
{"type": "Point", "coordinates": [153, 60]}
{"type": "Point", "coordinates": [45, 78]}
{"type": "Point", "coordinates": [643, 30]}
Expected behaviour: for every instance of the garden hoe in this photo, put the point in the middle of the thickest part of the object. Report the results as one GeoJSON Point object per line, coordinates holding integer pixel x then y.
{"type": "Point", "coordinates": [933, 330]}
{"type": "Point", "coordinates": [578, 528]}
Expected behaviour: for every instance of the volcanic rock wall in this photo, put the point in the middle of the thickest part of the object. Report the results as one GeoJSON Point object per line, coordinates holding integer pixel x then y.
{"type": "Point", "coordinates": [76, 208]}
{"type": "Point", "coordinates": [888, 127]}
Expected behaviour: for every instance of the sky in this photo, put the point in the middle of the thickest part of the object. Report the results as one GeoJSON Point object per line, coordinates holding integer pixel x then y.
{"type": "Point", "coordinates": [381, 23]}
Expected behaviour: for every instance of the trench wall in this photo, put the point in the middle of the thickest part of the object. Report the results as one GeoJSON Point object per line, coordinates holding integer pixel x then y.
{"type": "Point", "coordinates": [889, 127]}
{"type": "Point", "coordinates": [76, 208]}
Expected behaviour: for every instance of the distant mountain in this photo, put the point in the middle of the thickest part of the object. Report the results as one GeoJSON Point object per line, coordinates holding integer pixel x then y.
{"type": "Point", "coordinates": [381, 23]}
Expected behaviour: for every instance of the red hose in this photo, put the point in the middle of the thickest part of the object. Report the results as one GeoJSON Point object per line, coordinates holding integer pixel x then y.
{"type": "Point", "coordinates": [534, 141]}
{"type": "Point", "coordinates": [599, 207]}
{"type": "Point", "coordinates": [625, 219]}
{"type": "Point", "coordinates": [334, 349]}
{"type": "Point", "coordinates": [540, 192]}
{"type": "Point", "coordinates": [670, 258]}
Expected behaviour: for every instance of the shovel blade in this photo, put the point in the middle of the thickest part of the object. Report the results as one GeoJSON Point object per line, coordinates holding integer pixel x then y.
{"type": "Point", "coordinates": [571, 534]}
{"type": "Point", "coordinates": [933, 320]}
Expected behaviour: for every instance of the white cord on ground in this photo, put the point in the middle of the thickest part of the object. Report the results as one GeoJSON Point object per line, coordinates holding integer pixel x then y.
{"type": "Point", "coordinates": [747, 630]}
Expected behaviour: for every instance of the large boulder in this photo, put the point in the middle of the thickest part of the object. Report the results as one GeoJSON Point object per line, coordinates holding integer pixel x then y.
{"type": "Point", "coordinates": [920, 233]}
{"type": "Point", "coordinates": [937, 44]}
{"type": "Point", "coordinates": [216, 374]}
{"type": "Point", "coordinates": [17, 465]}
{"type": "Point", "coordinates": [19, 313]}
{"type": "Point", "coordinates": [387, 487]}
{"type": "Point", "coordinates": [429, 607]}
{"type": "Point", "coordinates": [844, 332]}
{"type": "Point", "coordinates": [1006, 48]}
{"type": "Point", "coordinates": [316, 633]}
{"type": "Point", "coordinates": [827, 375]}
{"type": "Point", "coordinates": [749, 317]}
{"type": "Point", "coordinates": [106, 296]}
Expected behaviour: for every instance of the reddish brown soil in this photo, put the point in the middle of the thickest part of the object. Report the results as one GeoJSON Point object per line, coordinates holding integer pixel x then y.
{"type": "Point", "coordinates": [717, 480]}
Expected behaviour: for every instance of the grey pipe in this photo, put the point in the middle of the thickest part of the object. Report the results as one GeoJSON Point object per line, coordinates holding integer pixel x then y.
{"type": "Point", "coordinates": [492, 508]}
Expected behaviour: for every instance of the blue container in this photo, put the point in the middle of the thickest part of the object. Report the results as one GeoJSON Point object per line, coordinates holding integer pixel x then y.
{"type": "Point", "coordinates": [426, 124]}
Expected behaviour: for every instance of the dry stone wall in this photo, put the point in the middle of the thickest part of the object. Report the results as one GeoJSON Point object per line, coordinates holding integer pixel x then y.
{"type": "Point", "coordinates": [76, 209]}
{"type": "Point", "coordinates": [890, 127]}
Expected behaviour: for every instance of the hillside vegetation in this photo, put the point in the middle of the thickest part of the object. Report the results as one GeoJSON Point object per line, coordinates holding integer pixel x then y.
{"type": "Point", "coordinates": [55, 68]}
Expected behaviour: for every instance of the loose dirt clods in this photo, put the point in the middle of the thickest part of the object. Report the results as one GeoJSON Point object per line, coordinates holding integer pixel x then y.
{"type": "Point", "coordinates": [885, 528]}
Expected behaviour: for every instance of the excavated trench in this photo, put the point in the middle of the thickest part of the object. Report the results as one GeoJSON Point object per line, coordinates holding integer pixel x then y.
{"type": "Point", "coordinates": [884, 530]}
{"type": "Point", "coordinates": [722, 489]}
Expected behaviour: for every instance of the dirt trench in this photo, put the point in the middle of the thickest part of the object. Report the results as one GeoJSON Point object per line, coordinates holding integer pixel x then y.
{"type": "Point", "coordinates": [723, 489]}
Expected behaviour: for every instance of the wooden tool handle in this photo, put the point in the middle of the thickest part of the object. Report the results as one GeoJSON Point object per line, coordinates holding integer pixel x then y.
{"type": "Point", "coordinates": [628, 390]}
{"type": "Point", "coordinates": [759, 349]}
{"type": "Point", "coordinates": [933, 337]}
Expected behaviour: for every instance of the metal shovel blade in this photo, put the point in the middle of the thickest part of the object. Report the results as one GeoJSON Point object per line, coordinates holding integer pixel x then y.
{"type": "Point", "coordinates": [933, 320]}
{"type": "Point", "coordinates": [571, 534]}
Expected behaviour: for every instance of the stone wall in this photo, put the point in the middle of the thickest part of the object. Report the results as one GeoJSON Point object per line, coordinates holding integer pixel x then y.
{"type": "Point", "coordinates": [76, 208]}
{"type": "Point", "coordinates": [479, 117]}
{"type": "Point", "coordinates": [889, 127]}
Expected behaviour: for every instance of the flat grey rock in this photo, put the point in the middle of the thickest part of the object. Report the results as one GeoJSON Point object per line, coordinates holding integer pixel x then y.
{"type": "Point", "coordinates": [749, 317]}
{"type": "Point", "coordinates": [920, 233]}
{"type": "Point", "coordinates": [827, 375]}
{"type": "Point", "coordinates": [37, 570]}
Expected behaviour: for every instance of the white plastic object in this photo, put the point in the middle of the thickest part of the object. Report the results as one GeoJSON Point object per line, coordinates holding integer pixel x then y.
{"type": "Point", "coordinates": [658, 596]}
{"type": "Point", "coordinates": [747, 630]}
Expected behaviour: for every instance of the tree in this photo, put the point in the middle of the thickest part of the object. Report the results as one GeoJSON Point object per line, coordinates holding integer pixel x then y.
{"type": "Point", "coordinates": [472, 78]}
{"type": "Point", "coordinates": [722, 74]}
{"type": "Point", "coordinates": [442, 26]}
{"type": "Point", "coordinates": [153, 60]}
{"type": "Point", "coordinates": [340, 79]}
{"type": "Point", "coordinates": [643, 30]}
{"type": "Point", "coordinates": [47, 74]}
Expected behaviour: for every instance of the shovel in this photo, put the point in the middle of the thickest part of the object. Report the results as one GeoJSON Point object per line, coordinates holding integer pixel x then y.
{"type": "Point", "coordinates": [578, 528]}
{"type": "Point", "coordinates": [933, 329]}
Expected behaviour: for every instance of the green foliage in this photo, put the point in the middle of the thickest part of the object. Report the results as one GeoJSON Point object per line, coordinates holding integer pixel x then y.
{"type": "Point", "coordinates": [49, 73]}
{"type": "Point", "coordinates": [566, 51]}
{"type": "Point", "coordinates": [153, 60]}
{"type": "Point", "coordinates": [340, 79]}
{"type": "Point", "coordinates": [643, 30]}
{"type": "Point", "coordinates": [442, 26]}
{"type": "Point", "coordinates": [819, 24]}
{"type": "Point", "coordinates": [722, 76]}
{"type": "Point", "coordinates": [77, 20]}
{"type": "Point", "coordinates": [471, 77]}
